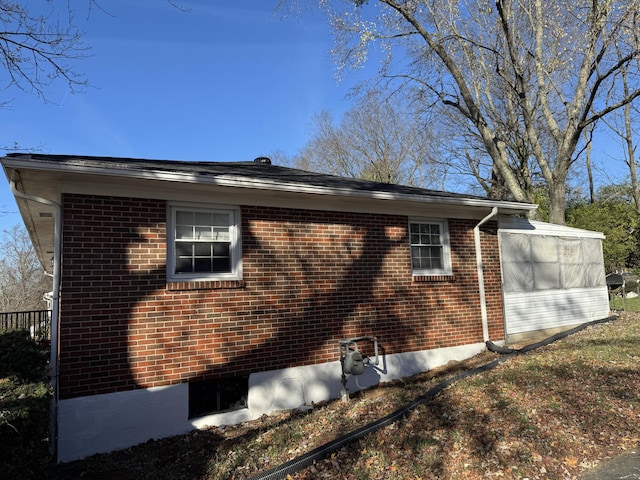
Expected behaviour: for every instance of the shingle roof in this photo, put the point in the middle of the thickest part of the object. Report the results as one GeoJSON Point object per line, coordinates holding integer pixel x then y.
{"type": "Point", "coordinates": [251, 170]}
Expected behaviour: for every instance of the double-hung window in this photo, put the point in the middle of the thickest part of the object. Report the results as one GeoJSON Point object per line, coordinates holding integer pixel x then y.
{"type": "Point", "coordinates": [203, 243]}
{"type": "Point", "coordinates": [430, 253]}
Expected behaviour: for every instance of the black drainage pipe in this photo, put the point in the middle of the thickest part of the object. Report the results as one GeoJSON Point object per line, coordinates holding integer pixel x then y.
{"type": "Point", "coordinates": [303, 461]}
{"type": "Point", "coordinates": [565, 333]}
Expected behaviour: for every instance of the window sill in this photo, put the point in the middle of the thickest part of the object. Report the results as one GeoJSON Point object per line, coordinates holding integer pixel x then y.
{"type": "Point", "coordinates": [205, 285]}
{"type": "Point", "coordinates": [434, 278]}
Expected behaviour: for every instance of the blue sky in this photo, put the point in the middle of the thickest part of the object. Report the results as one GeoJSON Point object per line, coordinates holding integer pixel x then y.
{"type": "Point", "coordinates": [222, 81]}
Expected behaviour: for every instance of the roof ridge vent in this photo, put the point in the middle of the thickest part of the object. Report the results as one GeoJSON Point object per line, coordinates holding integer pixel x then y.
{"type": "Point", "coordinates": [263, 160]}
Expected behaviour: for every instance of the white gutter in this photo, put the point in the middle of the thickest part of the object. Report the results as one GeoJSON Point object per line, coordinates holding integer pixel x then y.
{"type": "Point", "coordinates": [483, 298]}
{"type": "Point", "coordinates": [55, 311]}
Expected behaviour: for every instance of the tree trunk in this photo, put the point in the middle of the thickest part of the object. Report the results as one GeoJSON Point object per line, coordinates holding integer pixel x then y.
{"type": "Point", "coordinates": [587, 136]}
{"type": "Point", "coordinates": [557, 200]}
{"type": "Point", "coordinates": [635, 190]}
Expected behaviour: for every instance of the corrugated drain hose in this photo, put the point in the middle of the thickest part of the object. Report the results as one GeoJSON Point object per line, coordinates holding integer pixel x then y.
{"type": "Point", "coordinates": [306, 460]}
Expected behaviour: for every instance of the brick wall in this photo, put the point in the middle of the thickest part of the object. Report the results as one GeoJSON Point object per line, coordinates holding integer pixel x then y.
{"type": "Point", "coordinates": [310, 278]}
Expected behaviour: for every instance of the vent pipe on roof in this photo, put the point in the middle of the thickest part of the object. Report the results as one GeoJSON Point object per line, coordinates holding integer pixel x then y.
{"type": "Point", "coordinates": [263, 160]}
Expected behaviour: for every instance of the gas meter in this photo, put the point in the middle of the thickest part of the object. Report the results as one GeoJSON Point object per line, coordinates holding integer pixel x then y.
{"type": "Point", "coordinates": [352, 360]}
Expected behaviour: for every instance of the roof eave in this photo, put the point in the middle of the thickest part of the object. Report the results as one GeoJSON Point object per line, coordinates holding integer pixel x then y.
{"type": "Point", "coordinates": [507, 207]}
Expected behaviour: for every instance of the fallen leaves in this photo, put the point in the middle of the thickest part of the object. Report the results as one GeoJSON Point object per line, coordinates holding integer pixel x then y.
{"type": "Point", "coordinates": [549, 414]}
{"type": "Point", "coordinates": [555, 412]}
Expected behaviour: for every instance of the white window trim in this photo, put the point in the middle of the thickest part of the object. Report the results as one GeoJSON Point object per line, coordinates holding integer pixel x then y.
{"type": "Point", "coordinates": [446, 248]}
{"type": "Point", "coordinates": [235, 247]}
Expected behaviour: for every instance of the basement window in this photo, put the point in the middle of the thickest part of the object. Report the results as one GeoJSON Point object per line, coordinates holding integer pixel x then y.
{"type": "Point", "coordinates": [207, 397]}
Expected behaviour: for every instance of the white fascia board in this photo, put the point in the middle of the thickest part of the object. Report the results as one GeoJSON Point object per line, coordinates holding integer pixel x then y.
{"type": "Point", "coordinates": [262, 184]}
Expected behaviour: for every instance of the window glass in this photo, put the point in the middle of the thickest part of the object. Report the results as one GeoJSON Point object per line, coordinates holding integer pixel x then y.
{"type": "Point", "coordinates": [184, 218]}
{"type": "Point", "coordinates": [202, 218]}
{"type": "Point", "coordinates": [203, 244]}
{"type": "Point", "coordinates": [184, 231]}
{"type": "Point", "coordinates": [429, 248]}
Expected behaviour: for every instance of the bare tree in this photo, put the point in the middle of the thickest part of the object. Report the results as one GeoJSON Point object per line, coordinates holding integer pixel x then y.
{"type": "Point", "coordinates": [627, 136]}
{"type": "Point", "coordinates": [525, 77]}
{"type": "Point", "coordinates": [622, 125]}
{"type": "Point", "coordinates": [22, 280]}
{"type": "Point", "coordinates": [38, 46]}
{"type": "Point", "coordinates": [631, 153]}
{"type": "Point", "coordinates": [379, 139]}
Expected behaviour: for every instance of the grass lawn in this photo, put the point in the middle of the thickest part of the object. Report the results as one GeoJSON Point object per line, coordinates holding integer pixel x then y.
{"type": "Point", "coordinates": [555, 412]}
{"type": "Point", "coordinates": [626, 304]}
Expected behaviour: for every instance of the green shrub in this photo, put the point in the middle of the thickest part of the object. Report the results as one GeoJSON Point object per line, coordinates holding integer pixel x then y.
{"type": "Point", "coordinates": [24, 407]}
{"type": "Point", "coordinates": [21, 357]}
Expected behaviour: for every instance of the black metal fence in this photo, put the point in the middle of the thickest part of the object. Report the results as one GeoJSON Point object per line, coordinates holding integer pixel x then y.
{"type": "Point", "coordinates": [36, 322]}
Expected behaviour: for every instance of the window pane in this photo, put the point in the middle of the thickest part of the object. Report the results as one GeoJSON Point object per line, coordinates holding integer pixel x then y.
{"type": "Point", "coordinates": [221, 265]}
{"type": "Point", "coordinates": [184, 218]}
{"type": "Point", "coordinates": [183, 231]}
{"type": "Point", "coordinates": [184, 249]}
{"type": "Point", "coordinates": [183, 265]}
{"type": "Point", "coordinates": [202, 265]}
{"type": "Point", "coordinates": [221, 249]}
{"type": "Point", "coordinates": [202, 249]}
{"type": "Point", "coordinates": [221, 220]}
{"type": "Point", "coordinates": [570, 250]}
{"type": "Point", "coordinates": [544, 249]}
{"type": "Point", "coordinates": [573, 276]}
{"type": "Point", "coordinates": [202, 218]}
{"type": "Point", "coordinates": [516, 247]}
{"type": "Point", "coordinates": [592, 250]}
{"type": "Point", "coordinates": [546, 276]}
{"type": "Point", "coordinates": [518, 276]}
{"type": "Point", "coordinates": [203, 232]}
{"type": "Point", "coordinates": [221, 234]}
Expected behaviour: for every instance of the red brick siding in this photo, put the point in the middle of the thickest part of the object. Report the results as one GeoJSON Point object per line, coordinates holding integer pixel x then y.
{"type": "Point", "coordinates": [310, 278]}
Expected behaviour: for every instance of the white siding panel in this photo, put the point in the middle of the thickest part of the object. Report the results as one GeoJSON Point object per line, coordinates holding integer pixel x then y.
{"type": "Point", "coordinates": [531, 311]}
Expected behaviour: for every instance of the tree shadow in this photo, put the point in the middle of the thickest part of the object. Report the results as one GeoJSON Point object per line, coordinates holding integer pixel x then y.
{"type": "Point", "coordinates": [310, 282]}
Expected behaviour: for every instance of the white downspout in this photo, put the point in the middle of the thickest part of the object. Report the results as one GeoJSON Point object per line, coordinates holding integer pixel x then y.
{"type": "Point", "coordinates": [479, 266]}
{"type": "Point", "coordinates": [55, 309]}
